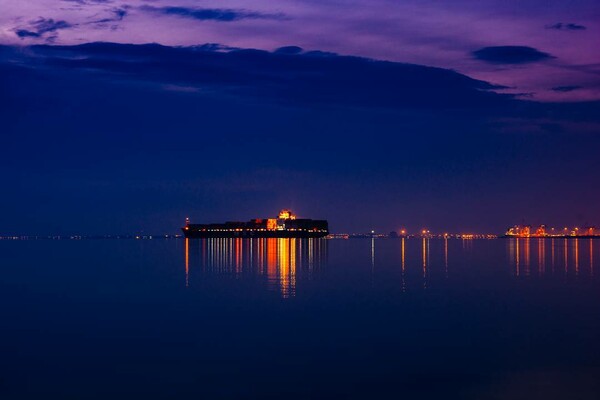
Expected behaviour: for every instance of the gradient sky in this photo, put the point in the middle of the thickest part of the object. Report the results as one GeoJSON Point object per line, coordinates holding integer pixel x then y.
{"type": "Point", "coordinates": [128, 116]}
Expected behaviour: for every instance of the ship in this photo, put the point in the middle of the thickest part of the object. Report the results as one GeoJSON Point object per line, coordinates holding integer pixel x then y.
{"type": "Point", "coordinates": [286, 225]}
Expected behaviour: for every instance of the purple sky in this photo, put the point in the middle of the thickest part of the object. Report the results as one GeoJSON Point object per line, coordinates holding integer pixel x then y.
{"type": "Point", "coordinates": [243, 108]}
{"type": "Point", "coordinates": [435, 33]}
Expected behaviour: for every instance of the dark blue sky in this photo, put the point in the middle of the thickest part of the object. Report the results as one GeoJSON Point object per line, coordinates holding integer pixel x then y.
{"type": "Point", "coordinates": [119, 138]}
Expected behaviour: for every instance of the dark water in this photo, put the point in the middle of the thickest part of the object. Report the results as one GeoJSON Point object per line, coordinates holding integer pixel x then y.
{"type": "Point", "coordinates": [172, 319]}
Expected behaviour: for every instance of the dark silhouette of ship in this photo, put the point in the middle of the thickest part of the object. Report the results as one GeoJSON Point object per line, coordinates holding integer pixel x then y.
{"type": "Point", "coordinates": [286, 225]}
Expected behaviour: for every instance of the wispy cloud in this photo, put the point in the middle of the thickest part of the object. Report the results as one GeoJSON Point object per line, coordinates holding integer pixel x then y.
{"type": "Point", "coordinates": [565, 88]}
{"type": "Point", "coordinates": [85, 2]}
{"type": "Point", "coordinates": [214, 14]}
{"type": "Point", "coordinates": [510, 55]}
{"type": "Point", "coordinates": [561, 26]}
{"type": "Point", "coordinates": [41, 27]}
{"type": "Point", "coordinates": [47, 28]}
{"type": "Point", "coordinates": [117, 15]}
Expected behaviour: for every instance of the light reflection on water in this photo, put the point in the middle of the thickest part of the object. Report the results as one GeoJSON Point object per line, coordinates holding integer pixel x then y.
{"type": "Point", "coordinates": [278, 261]}
{"type": "Point", "coordinates": [551, 256]}
{"type": "Point", "coordinates": [281, 263]}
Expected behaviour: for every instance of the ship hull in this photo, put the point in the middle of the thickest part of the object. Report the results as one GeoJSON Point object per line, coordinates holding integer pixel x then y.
{"type": "Point", "coordinates": [192, 234]}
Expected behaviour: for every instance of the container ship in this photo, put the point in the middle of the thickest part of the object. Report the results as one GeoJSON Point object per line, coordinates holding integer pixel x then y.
{"type": "Point", "coordinates": [286, 225]}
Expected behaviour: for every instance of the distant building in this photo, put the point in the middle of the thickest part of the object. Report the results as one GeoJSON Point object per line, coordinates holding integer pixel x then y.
{"type": "Point", "coordinates": [525, 231]}
{"type": "Point", "coordinates": [541, 230]}
{"type": "Point", "coordinates": [519, 231]}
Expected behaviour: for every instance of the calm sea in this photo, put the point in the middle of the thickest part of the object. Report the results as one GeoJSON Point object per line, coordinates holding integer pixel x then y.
{"type": "Point", "coordinates": [285, 318]}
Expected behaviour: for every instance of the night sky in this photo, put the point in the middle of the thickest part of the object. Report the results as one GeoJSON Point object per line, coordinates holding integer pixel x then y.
{"type": "Point", "coordinates": [463, 116]}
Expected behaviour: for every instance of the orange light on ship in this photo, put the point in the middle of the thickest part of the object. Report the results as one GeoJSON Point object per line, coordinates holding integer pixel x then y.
{"type": "Point", "coordinates": [286, 214]}
{"type": "Point", "coordinates": [271, 224]}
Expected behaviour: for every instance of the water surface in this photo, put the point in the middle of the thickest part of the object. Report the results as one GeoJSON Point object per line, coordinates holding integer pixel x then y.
{"type": "Point", "coordinates": [285, 318]}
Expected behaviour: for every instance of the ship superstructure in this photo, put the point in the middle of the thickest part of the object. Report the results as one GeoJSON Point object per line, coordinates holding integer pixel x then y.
{"type": "Point", "coordinates": [286, 225]}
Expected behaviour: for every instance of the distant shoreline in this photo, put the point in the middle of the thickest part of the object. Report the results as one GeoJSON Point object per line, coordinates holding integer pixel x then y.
{"type": "Point", "coordinates": [334, 237]}
{"type": "Point", "coordinates": [550, 237]}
